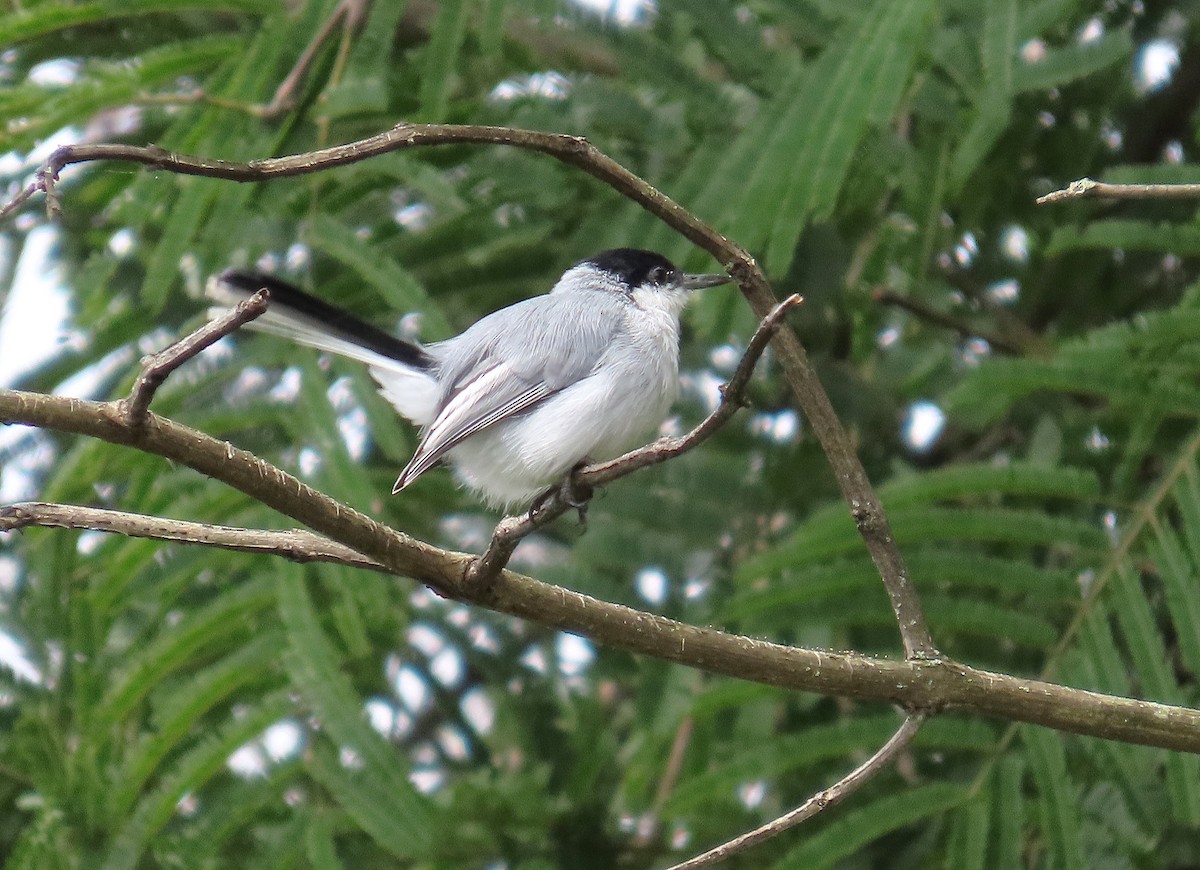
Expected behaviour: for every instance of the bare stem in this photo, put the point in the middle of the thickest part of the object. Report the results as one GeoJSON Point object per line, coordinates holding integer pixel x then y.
{"type": "Point", "coordinates": [823, 799]}
{"type": "Point", "coordinates": [511, 530]}
{"type": "Point", "coordinates": [929, 314]}
{"type": "Point", "coordinates": [295, 545]}
{"type": "Point", "coordinates": [156, 368]}
{"type": "Point", "coordinates": [1086, 188]}
{"type": "Point", "coordinates": [349, 14]}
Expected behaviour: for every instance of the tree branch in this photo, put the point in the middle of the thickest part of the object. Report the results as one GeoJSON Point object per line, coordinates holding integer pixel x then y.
{"type": "Point", "coordinates": [916, 684]}
{"type": "Point", "coordinates": [511, 530]}
{"type": "Point", "coordinates": [350, 14]}
{"type": "Point", "coordinates": [295, 545]}
{"type": "Point", "coordinates": [823, 799]}
{"type": "Point", "coordinates": [576, 151]}
{"type": "Point", "coordinates": [156, 368]}
{"type": "Point", "coordinates": [923, 311]}
{"type": "Point", "coordinates": [1086, 188]}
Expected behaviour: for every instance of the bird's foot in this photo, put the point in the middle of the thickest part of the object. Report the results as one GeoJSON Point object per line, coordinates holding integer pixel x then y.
{"type": "Point", "coordinates": [571, 491]}
{"type": "Point", "coordinates": [576, 493]}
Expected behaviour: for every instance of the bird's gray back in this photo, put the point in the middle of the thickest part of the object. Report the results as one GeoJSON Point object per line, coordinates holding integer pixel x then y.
{"type": "Point", "coordinates": [554, 339]}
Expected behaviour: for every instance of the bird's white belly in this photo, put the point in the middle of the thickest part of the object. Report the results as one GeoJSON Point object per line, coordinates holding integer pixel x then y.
{"type": "Point", "coordinates": [515, 459]}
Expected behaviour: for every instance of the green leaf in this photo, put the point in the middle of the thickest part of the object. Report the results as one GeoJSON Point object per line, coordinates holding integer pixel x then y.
{"type": "Point", "coordinates": [1158, 681]}
{"type": "Point", "coordinates": [1123, 234]}
{"type": "Point", "coordinates": [1059, 804]}
{"type": "Point", "coordinates": [846, 95]}
{"type": "Point", "coordinates": [204, 627]}
{"type": "Point", "coordinates": [1133, 613]}
{"type": "Point", "coordinates": [378, 796]}
{"type": "Point", "coordinates": [441, 59]}
{"type": "Point", "coordinates": [984, 619]}
{"type": "Point", "coordinates": [192, 771]}
{"type": "Point", "coordinates": [993, 106]}
{"type": "Point", "coordinates": [363, 87]}
{"type": "Point", "coordinates": [1069, 63]}
{"type": "Point", "coordinates": [1009, 813]}
{"type": "Point", "coordinates": [997, 384]}
{"type": "Point", "coordinates": [1153, 173]}
{"type": "Point", "coordinates": [319, 846]}
{"type": "Point", "coordinates": [783, 756]}
{"type": "Point", "coordinates": [178, 714]}
{"type": "Point", "coordinates": [105, 85]}
{"type": "Point", "coordinates": [395, 285]}
{"type": "Point", "coordinates": [965, 571]}
{"type": "Point", "coordinates": [1181, 583]}
{"type": "Point", "coordinates": [984, 480]}
{"type": "Point", "coordinates": [1097, 642]}
{"type": "Point", "coordinates": [969, 826]}
{"type": "Point", "coordinates": [183, 222]}
{"type": "Point", "coordinates": [31, 21]}
{"type": "Point", "coordinates": [923, 524]}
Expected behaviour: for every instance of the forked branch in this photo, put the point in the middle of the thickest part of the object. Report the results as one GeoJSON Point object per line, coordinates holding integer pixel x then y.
{"type": "Point", "coordinates": [916, 684]}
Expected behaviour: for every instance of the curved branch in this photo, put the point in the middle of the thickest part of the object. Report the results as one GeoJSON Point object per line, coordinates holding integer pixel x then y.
{"type": "Point", "coordinates": [576, 151]}
{"type": "Point", "coordinates": [916, 684]}
{"type": "Point", "coordinates": [822, 800]}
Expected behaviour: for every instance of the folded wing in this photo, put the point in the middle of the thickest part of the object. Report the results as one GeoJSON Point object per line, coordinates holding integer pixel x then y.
{"type": "Point", "coordinates": [511, 362]}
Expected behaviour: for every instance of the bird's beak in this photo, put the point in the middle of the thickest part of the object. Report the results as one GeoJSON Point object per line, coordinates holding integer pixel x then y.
{"type": "Point", "coordinates": [699, 282]}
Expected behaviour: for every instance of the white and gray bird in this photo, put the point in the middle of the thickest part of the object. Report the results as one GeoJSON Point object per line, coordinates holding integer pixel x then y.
{"type": "Point", "coordinates": [524, 395]}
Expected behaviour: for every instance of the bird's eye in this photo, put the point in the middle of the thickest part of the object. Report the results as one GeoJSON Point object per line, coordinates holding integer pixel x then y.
{"type": "Point", "coordinates": [658, 275]}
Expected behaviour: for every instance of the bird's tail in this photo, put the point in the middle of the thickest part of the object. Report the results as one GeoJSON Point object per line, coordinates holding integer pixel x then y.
{"type": "Point", "coordinates": [405, 371]}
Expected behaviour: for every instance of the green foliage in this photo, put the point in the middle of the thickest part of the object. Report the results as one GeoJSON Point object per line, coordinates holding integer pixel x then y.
{"type": "Point", "coordinates": [1053, 528]}
{"type": "Point", "coordinates": [377, 796]}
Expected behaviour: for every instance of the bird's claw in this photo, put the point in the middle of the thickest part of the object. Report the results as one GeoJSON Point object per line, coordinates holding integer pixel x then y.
{"type": "Point", "coordinates": [572, 492]}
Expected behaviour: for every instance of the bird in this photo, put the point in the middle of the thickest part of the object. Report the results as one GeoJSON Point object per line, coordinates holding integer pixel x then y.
{"type": "Point", "coordinates": [527, 393]}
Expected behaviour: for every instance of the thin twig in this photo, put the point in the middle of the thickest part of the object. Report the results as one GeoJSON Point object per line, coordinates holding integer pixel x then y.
{"type": "Point", "coordinates": [295, 545]}
{"type": "Point", "coordinates": [674, 765]}
{"type": "Point", "coordinates": [511, 530]}
{"type": "Point", "coordinates": [157, 367]}
{"type": "Point", "coordinates": [732, 398]}
{"type": "Point", "coordinates": [915, 684]}
{"type": "Point", "coordinates": [929, 314]}
{"type": "Point", "coordinates": [1086, 188]}
{"type": "Point", "coordinates": [667, 781]}
{"type": "Point", "coordinates": [824, 799]}
{"type": "Point", "coordinates": [349, 14]}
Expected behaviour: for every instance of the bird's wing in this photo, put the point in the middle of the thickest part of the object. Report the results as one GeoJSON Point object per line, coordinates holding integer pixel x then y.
{"type": "Point", "coordinates": [507, 364]}
{"type": "Point", "coordinates": [494, 394]}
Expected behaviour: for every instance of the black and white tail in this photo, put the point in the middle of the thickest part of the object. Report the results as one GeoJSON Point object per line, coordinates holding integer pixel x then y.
{"type": "Point", "coordinates": [405, 371]}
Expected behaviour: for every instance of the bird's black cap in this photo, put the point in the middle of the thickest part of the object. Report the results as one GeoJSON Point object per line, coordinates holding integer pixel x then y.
{"type": "Point", "coordinates": [631, 265]}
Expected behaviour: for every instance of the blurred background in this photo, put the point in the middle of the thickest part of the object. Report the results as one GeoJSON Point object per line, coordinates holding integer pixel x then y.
{"type": "Point", "coordinates": [1020, 381]}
